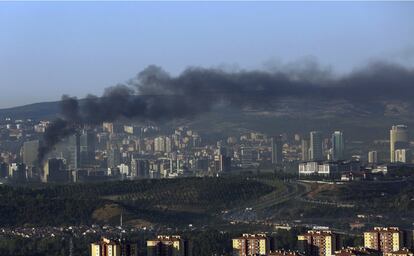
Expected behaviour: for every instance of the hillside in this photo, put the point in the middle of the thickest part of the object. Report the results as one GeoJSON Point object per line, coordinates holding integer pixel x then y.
{"type": "Point", "coordinates": [42, 110]}
{"type": "Point", "coordinates": [359, 120]}
{"type": "Point", "coordinates": [164, 201]}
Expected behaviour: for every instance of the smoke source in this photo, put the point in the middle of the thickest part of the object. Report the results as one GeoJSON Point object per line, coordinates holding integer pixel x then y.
{"type": "Point", "coordinates": [153, 94]}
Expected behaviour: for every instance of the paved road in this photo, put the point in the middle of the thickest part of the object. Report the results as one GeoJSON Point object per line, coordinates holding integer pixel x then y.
{"type": "Point", "coordinates": [291, 190]}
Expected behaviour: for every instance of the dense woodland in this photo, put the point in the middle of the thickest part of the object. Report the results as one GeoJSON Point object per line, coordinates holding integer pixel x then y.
{"type": "Point", "coordinates": [183, 201]}
{"type": "Point", "coordinates": [74, 204]}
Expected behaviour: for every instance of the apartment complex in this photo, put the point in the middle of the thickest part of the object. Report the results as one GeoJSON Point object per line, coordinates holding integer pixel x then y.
{"type": "Point", "coordinates": [252, 244]}
{"type": "Point", "coordinates": [168, 246]}
{"type": "Point", "coordinates": [113, 247]}
{"type": "Point", "coordinates": [318, 243]}
{"type": "Point", "coordinates": [384, 240]}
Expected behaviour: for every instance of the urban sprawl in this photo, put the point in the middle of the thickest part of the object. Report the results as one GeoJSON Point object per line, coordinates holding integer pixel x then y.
{"type": "Point", "coordinates": [125, 151]}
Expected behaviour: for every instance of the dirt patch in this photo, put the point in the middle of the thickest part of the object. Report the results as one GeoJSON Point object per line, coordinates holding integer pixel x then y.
{"type": "Point", "coordinates": [107, 213]}
{"type": "Point", "coordinates": [320, 188]}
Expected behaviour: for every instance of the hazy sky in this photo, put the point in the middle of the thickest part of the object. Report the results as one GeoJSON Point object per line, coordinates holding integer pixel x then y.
{"type": "Point", "coordinates": [52, 48]}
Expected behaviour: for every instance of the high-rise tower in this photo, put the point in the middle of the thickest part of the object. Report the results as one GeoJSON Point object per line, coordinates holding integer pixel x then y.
{"type": "Point", "coordinates": [315, 149]}
{"type": "Point", "coordinates": [337, 146]}
{"type": "Point", "coordinates": [398, 139]}
{"type": "Point", "coordinates": [277, 154]}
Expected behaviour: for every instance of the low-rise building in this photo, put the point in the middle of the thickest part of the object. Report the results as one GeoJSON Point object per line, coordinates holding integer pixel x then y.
{"type": "Point", "coordinates": [285, 253]}
{"type": "Point", "coordinates": [356, 251]}
{"type": "Point", "coordinates": [401, 252]}
{"type": "Point", "coordinates": [327, 168]}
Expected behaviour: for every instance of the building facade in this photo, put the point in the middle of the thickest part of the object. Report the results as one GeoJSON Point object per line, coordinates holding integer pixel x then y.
{"type": "Point", "coordinates": [168, 246]}
{"type": "Point", "coordinates": [113, 247]}
{"type": "Point", "coordinates": [30, 152]}
{"type": "Point", "coordinates": [338, 146]}
{"type": "Point", "coordinates": [315, 148]}
{"type": "Point", "coordinates": [401, 252]}
{"type": "Point", "coordinates": [372, 157]}
{"type": "Point", "coordinates": [277, 150]}
{"type": "Point", "coordinates": [402, 156]}
{"type": "Point", "coordinates": [328, 168]}
{"type": "Point", "coordinates": [384, 240]}
{"type": "Point", "coordinates": [251, 244]}
{"type": "Point", "coordinates": [319, 243]}
{"type": "Point", "coordinates": [285, 253]}
{"type": "Point", "coordinates": [398, 139]}
{"type": "Point", "coordinates": [305, 150]}
{"type": "Point", "coordinates": [356, 251]}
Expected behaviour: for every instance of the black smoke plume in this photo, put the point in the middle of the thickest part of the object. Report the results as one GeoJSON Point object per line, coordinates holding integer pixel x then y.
{"type": "Point", "coordinates": [153, 94]}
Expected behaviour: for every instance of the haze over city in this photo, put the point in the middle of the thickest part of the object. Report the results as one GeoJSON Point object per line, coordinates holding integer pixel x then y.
{"type": "Point", "coordinates": [207, 128]}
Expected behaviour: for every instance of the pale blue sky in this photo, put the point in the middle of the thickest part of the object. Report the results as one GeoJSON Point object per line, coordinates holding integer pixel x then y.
{"type": "Point", "coordinates": [51, 48]}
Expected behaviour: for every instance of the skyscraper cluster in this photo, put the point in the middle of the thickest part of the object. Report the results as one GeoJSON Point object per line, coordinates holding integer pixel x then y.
{"type": "Point", "coordinates": [314, 150]}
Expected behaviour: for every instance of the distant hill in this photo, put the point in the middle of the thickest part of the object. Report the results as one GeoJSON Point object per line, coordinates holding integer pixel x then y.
{"type": "Point", "coordinates": [42, 110]}
{"type": "Point", "coordinates": [291, 108]}
{"type": "Point", "coordinates": [362, 120]}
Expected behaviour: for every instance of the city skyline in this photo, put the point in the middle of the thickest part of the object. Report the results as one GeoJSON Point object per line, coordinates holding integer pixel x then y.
{"type": "Point", "coordinates": [207, 128]}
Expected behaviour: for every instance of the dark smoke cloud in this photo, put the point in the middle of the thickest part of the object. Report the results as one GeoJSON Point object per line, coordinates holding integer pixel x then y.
{"type": "Point", "coordinates": [55, 132]}
{"type": "Point", "coordinates": [154, 95]}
